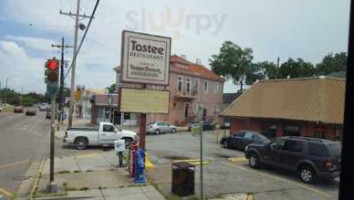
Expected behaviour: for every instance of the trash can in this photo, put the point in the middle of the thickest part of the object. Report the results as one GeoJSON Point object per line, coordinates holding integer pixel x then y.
{"type": "Point", "coordinates": [183, 179]}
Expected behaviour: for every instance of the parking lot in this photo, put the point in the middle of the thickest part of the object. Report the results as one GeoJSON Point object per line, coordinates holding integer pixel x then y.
{"type": "Point", "coordinates": [224, 177]}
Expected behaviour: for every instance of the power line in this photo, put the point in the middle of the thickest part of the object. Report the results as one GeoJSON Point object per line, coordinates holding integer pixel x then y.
{"type": "Point", "coordinates": [83, 38]}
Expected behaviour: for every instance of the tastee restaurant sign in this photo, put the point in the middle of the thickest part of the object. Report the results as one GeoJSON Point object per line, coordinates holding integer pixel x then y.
{"type": "Point", "coordinates": [145, 58]}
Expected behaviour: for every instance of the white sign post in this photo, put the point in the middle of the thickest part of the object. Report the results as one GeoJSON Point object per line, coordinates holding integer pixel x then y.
{"type": "Point", "coordinates": [145, 58]}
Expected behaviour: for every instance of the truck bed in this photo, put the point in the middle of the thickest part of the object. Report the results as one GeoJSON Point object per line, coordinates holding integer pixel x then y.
{"type": "Point", "coordinates": [83, 129]}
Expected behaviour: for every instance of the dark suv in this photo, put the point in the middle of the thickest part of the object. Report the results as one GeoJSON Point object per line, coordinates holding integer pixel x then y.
{"type": "Point", "coordinates": [311, 157]}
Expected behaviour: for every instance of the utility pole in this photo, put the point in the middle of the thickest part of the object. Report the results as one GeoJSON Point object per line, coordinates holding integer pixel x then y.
{"type": "Point", "coordinates": [61, 86]}
{"type": "Point", "coordinates": [77, 15]}
{"type": "Point", "coordinates": [7, 79]}
{"type": "Point", "coordinates": [278, 62]}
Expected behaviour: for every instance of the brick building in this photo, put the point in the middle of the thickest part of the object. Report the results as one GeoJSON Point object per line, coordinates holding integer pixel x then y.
{"type": "Point", "coordinates": [190, 85]}
{"type": "Point", "coordinates": [312, 107]}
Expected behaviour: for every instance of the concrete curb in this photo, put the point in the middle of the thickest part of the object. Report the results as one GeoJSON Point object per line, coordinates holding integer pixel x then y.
{"type": "Point", "coordinates": [36, 180]}
{"type": "Point", "coordinates": [65, 197]}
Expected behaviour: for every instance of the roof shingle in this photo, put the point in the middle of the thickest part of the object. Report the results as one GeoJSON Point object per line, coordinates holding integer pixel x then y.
{"type": "Point", "coordinates": [305, 99]}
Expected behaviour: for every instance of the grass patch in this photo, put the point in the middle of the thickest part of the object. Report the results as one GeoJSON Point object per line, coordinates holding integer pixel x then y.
{"type": "Point", "coordinates": [102, 188]}
{"type": "Point", "coordinates": [89, 170]}
{"type": "Point", "coordinates": [77, 171]}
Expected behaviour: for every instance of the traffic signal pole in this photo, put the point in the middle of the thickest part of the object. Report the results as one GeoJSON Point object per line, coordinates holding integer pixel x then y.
{"type": "Point", "coordinates": [52, 187]}
{"type": "Point", "coordinates": [61, 87]}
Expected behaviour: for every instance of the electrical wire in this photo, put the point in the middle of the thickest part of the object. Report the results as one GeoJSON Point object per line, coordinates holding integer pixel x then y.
{"type": "Point", "coordinates": [83, 38]}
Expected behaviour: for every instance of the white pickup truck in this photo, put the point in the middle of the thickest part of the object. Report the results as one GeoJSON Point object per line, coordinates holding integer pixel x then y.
{"type": "Point", "coordinates": [103, 135]}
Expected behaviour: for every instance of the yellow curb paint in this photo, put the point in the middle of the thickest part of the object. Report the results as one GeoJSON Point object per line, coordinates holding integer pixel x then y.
{"type": "Point", "coordinates": [5, 192]}
{"type": "Point", "coordinates": [87, 155]}
{"type": "Point", "coordinates": [193, 161]}
{"type": "Point", "coordinates": [284, 180]}
{"type": "Point", "coordinates": [237, 159]}
{"type": "Point", "coordinates": [14, 164]}
{"type": "Point", "coordinates": [37, 178]}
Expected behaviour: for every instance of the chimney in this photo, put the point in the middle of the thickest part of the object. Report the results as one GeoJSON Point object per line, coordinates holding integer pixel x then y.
{"type": "Point", "coordinates": [198, 61]}
{"type": "Point", "coordinates": [184, 56]}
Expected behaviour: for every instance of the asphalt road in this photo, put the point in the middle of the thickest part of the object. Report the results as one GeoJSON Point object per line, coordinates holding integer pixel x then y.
{"type": "Point", "coordinates": [23, 140]}
{"type": "Point", "coordinates": [224, 177]}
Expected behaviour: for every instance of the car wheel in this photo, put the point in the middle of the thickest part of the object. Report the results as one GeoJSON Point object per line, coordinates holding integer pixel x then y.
{"type": "Point", "coordinates": [157, 132]}
{"type": "Point", "coordinates": [81, 143]}
{"type": "Point", "coordinates": [307, 174]}
{"type": "Point", "coordinates": [253, 161]}
{"type": "Point", "coordinates": [226, 144]}
{"type": "Point", "coordinates": [173, 130]}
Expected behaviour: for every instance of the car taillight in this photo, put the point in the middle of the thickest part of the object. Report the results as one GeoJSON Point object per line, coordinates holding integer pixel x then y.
{"type": "Point", "coordinates": [328, 165]}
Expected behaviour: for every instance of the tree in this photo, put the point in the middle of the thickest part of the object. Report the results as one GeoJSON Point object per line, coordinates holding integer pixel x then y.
{"type": "Point", "coordinates": [332, 63]}
{"type": "Point", "coordinates": [112, 88]}
{"type": "Point", "coordinates": [235, 63]}
{"type": "Point", "coordinates": [269, 69]}
{"type": "Point", "coordinates": [296, 68]}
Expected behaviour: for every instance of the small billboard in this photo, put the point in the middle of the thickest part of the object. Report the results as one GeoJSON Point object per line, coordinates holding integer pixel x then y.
{"type": "Point", "coordinates": [145, 58]}
{"type": "Point", "coordinates": [144, 101]}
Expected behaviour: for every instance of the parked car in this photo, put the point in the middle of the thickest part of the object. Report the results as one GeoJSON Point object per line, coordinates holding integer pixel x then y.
{"type": "Point", "coordinates": [48, 114]}
{"type": "Point", "coordinates": [311, 158]}
{"type": "Point", "coordinates": [103, 135]}
{"type": "Point", "coordinates": [43, 107]}
{"type": "Point", "coordinates": [225, 125]}
{"type": "Point", "coordinates": [207, 126]}
{"type": "Point", "coordinates": [31, 111]}
{"type": "Point", "coordinates": [160, 127]}
{"type": "Point", "coordinates": [18, 109]}
{"type": "Point", "coordinates": [241, 139]}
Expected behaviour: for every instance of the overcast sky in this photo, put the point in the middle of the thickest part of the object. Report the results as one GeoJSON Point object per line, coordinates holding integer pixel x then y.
{"type": "Point", "coordinates": [308, 29]}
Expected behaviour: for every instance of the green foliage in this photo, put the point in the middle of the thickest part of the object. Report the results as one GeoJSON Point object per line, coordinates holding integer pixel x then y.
{"type": "Point", "coordinates": [27, 101]}
{"type": "Point", "coordinates": [234, 63]}
{"type": "Point", "coordinates": [112, 88]}
{"type": "Point", "coordinates": [11, 96]}
{"type": "Point", "coordinates": [332, 63]}
{"type": "Point", "coordinates": [269, 68]}
{"type": "Point", "coordinates": [296, 68]}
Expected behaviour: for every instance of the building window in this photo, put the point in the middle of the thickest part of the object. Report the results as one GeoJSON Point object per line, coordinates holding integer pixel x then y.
{"type": "Point", "coordinates": [216, 89]}
{"type": "Point", "coordinates": [180, 83]}
{"type": "Point", "coordinates": [206, 86]}
{"type": "Point", "coordinates": [195, 87]}
{"type": "Point", "coordinates": [188, 85]}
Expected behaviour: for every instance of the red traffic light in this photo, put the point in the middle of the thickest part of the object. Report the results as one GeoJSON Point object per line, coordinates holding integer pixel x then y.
{"type": "Point", "coordinates": [53, 65]}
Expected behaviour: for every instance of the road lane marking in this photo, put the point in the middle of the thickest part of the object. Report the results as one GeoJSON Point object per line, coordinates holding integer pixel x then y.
{"type": "Point", "coordinates": [14, 164]}
{"type": "Point", "coordinates": [237, 159]}
{"type": "Point", "coordinates": [5, 192]}
{"type": "Point", "coordinates": [284, 180]}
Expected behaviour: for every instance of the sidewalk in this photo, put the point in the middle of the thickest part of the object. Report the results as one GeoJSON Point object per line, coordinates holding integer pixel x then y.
{"type": "Point", "coordinates": [91, 176]}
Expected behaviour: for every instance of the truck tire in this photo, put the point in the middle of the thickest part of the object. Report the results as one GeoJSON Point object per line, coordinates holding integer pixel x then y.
{"type": "Point", "coordinates": [81, 143]}
{"type": "Point", "coordinates": [307, 174]}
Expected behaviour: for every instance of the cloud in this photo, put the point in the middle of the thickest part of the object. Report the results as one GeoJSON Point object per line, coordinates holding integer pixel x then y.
{"type": "Point", "coordinates": [22, 70]}
{"type": "Point", "coordinates": [41, 44]}
{"type": "Point", "coordinates": [287, 28]}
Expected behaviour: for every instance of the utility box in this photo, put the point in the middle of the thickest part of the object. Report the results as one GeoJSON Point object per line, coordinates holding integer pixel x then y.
{"type": "Point", "coordinates": [119, 146]}
{"type": "Point", "coordinates": [183, 179]}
